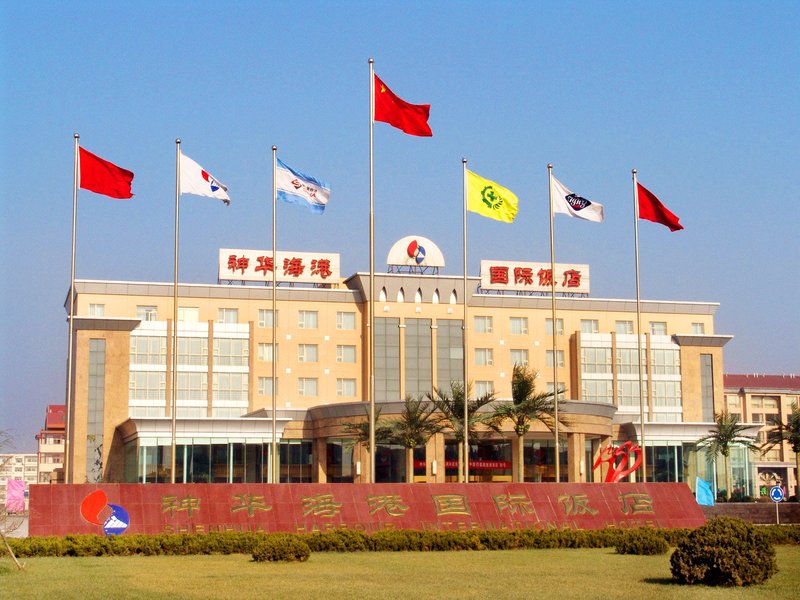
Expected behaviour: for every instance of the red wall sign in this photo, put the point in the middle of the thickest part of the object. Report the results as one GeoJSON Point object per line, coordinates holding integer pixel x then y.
{"type": "Point", "coordinates": [304, 508]}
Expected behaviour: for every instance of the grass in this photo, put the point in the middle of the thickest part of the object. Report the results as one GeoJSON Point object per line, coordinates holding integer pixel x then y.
{"type": "Point", "coordinates": [530, 574]}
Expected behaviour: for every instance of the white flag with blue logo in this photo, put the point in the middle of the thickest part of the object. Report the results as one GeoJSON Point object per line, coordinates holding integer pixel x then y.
{"type": "Point", "coordinates": [564, 201]}
{"type": "Point", "coordinates": [196, 180]}
{"type": "Point", "coordinates": [298, 188]}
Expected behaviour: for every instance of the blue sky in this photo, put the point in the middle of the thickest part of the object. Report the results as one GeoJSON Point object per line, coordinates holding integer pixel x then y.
{"type": "Point", "coordinates": [700, 97]}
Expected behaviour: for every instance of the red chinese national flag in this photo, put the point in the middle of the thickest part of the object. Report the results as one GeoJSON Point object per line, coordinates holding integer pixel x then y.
{"type": "Point", "coordinates": [651, 209]}
{"type": "Point", "coordinates": [102, 177]}
{"type": "Point", "coordinates": [391, 109]}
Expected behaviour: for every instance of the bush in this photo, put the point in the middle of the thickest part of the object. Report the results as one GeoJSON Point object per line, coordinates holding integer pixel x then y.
{"type": "Point", "coordinates": [724, 551]}
{"type": "Point", "coordinates": [645, 542]}
{"type": "Point", "coordinates": [287, 548]}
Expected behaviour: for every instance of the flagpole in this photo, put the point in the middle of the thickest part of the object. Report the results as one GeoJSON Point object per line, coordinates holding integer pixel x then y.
{"type": "Point", "coordinates": [370, 300]}
{"type": "Point", "coordinates": [555, 329]}
{"type": "Point", "coordinates": [67, 426]}
{"type": "Point", "coordinates": [275, 466]}
{"type": "Point", "coordinates": [464, 334]}
{"type": "Point", "coordinates": [174, 403]}
{"type": "Point", "coordinates": [639, 325]}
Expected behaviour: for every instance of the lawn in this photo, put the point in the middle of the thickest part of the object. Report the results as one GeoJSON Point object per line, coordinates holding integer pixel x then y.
{"type": "Point", "coordinates": [577, 573]}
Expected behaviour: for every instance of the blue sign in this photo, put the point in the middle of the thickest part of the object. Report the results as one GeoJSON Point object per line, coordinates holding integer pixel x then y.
{"type": "Point", "coordinates": [776, 493]}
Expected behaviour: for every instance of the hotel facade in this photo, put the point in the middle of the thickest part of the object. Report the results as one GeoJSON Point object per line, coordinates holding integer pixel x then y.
{"type": "Point", "coordinates": [120, 418]}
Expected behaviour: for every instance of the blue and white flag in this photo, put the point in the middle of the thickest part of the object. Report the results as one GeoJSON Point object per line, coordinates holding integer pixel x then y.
{"type": "Point", "coordinates": [704, 493]}
{"type": "Point", "coordinates": [298, 188]}
{"type": "Point", "coordinates": [565, 202]}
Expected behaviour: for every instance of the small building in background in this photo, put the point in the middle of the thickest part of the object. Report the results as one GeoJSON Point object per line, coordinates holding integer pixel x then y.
{"type": "Point", "coordinates": [51, 445]}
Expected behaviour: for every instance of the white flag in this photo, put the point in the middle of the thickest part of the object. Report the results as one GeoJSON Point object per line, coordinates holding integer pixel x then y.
{"type": "Point", "coordinates": [198, 181]}
{"type": "Point", "coordinates": [564, 201]}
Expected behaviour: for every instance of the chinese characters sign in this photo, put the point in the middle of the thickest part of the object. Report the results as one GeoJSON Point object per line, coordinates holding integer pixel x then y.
{"type": "Point", "coordinates": [534, 277]}
{"type": "Point", "coordinates": [294, 267]}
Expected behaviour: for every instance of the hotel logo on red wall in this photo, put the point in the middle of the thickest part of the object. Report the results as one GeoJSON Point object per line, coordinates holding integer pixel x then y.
{"type": "Point", "coordinates": [96, 509]}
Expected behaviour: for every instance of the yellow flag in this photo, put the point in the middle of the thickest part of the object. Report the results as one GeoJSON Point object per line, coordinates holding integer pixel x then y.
{"type": "Point", "coordinates": [489, 199]}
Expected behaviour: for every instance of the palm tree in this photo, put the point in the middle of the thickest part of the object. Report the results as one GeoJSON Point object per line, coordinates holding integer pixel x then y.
{"type": "Point", "coordinates": [727, 433]}
{"type": "Point", "coordinates": [526, 407]}
{"type": "Point", "coordinates": [786, 432]}
{"type": "Point", "coordinates": [359, 431]}
{"type": "Point", "coordinates": [451, 406]}
{"type": "Point", "coordinates": [415, 426]}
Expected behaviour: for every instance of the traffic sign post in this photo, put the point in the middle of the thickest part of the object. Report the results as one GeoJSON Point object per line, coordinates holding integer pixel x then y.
{"type": "Point", "coordinates": [776, 495]}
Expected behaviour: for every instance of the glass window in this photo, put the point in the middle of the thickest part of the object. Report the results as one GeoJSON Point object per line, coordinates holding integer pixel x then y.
{"type": "Point", "coordinates": [658, 327]}
{"type": "Point", "coordinates": [307, 386]}
{"type": "Point", "coordinates": [307, 353]}
{"type": "Point", "coordinates": [265, 386]}
{"type": "Point", "coordinates": [596, 390]}
{"type": "Point", "coordinates": [345, 320]}
{"type": "Point", "coordinates": [596, 360]}
{"type": "Point", "coordinates": [265, 352]}
{"type": "Point", "coordinates": [519, 357]}
{"type": "Point", "coordinates": [548, 326]}
{"type": "Point", "coordinates": [346, 387]}
{"type": "Point", "coordinates": [698, 328]}
{"type": "Point", "coordinates": [626, 361]}
{"type": "Point", "coordinates": [590, 326]}
{"type": "Point", "coordinates": [192, 386]}
{"type": "Point", "coordinates": [307, 319]}
{"type": "Point", "coordinates": [483, 324]}
{"type": "Point", "coordinates": [146, 385]}
{"type": "Point", "coordinates": [550, 358]}
{"type": "Point", "coordinates": [484, 388]}
{"type": "Point", "coordinates": [147, 313]}
{"type": "Point", "coordinates": [265, 318]}
{"type": "Point", "coordinates": [230, 386]}
{"type": "Point", "coordinates": [148, 350]}
{"type": "Point", "coordinates": [518, 325]}
{"type": "Point", "coordinates": [707, 387]}
{"type": "Point", "coordinates": [97, 310]}
{"type": "Point", "coordinates": [628, 392]}
{"type": "Point", "coordinates": [192, 351]}
{"type": "Point", "coordinates": [231, 352]}
{"type": "Point", "coordinates": [733, 401]}
{"type": "Point", "coordinates": [345, 354]}
{"type": "Point", "coordinates": [624, 327]}
{"type": "Point", "coordinates": [188, 314]}
{"type": "Point", "coordinates": [227, 315]}
{"type": "Point", "coordinates": [666, 362]}
{"type": "Point", "coordinates": [484, 357]}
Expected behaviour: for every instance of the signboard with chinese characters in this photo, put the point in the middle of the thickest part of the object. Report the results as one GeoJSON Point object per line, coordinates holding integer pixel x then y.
{"type": "Point", "coordinates": [309, 507]}
{"type": "Point", "coordinates": [295, 267]}
{"type": "Point", "coordinates": [533, 277]}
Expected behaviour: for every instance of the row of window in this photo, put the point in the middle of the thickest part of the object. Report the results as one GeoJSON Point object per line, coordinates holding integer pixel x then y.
{"type": "Point", "coordinates": [308, 386]}
{"type": "Point", "coordinates": [519, 326]}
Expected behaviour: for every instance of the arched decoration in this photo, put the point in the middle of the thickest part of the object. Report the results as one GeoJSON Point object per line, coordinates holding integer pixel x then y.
{"type": "Point", "coordinates": [401, 295]}
{"type": "Point", "coordinates": [418, 296]}
{"type": "Point", "coordinates": [435, 299]}
{"type": "Point", "coordinates": [382, 295]}
{"type": "Point", "coordinates": [453, 297]}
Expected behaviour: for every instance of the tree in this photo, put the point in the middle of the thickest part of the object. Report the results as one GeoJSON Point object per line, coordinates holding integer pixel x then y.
{"type": "Point", "coordinates": [786, 432]}
{"type": "Point", "coordinates": [8, 522]}
{"type": "Point", "coordinates": [415, 426]}
{"type": "Point", "coordinates": [450, 404]}
{"type": "Point", "coordinates": [727, 433]}
{"type": "Point", "coordinates": [526, 407]}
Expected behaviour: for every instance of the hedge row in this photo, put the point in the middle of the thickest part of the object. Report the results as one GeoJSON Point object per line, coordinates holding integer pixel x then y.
{"type": "Point", "coordinates": [348, 540]}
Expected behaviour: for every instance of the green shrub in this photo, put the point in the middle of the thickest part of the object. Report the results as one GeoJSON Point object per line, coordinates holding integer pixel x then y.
{"type": "Point", "coordinates": [645, 542]}
{"type": "Point", "coordinates": [724, 551]}
{"type": "Point", "coordinates": [289, 548]}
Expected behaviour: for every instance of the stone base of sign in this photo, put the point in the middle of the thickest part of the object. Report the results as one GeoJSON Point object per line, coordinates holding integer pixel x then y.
{"type": "Point", "coordinates": [306, 508]}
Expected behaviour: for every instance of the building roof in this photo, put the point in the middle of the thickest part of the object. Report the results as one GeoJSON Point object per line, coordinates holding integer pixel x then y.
{"type": "Point", "coordinates": [759, 381]}
{"type": "Point", "coordinates": [55, 416]}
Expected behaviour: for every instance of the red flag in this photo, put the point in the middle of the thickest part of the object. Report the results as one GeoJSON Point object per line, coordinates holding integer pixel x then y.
{"type": "Point", "coordinates": [102, 177]}
{"type": "Point", "coordinates": [391, 109]}
{"type": "Point", "coordinates": [651, 209]}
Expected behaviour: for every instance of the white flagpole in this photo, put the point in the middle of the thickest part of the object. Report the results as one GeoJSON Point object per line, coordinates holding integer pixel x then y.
{"type": "Point", "coordinates": [174, 404]}
{"type": "Point", "coordinates": [275, 466]}
{"type": "Point", "coordinates": [371, 299]}
{"type": "Point", "coordinates": [553, 310]}
{"type": "Point", "coordinates": [639, 325]}
{"type": "Point", "coordinates": [67, 425]}
{"type": "Point", "coordinates": [464, 335]}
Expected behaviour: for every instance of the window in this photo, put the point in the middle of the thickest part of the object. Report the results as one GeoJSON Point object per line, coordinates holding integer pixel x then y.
{"type": "Point", "coordinates": [627, 359]}
{"type": "Point", "coordinates": [624, 327]}
{"type": "Point", "coordinates": [146, 385]}
{"type": "Point", "coordinates": [345, 354]}
{"type": "Point", "coordinates": [707, 387]}
{"type": "Point", "coordinates": [596, 360]}
{"type": "Point", "coordinates": [147, 313]}
{"type": "Point", "coordinates": [265, 386]}
{"type": "Point", "coordinates": [307, 353]}
{"type": "Point", "coordinates": [346, 387]}
{"type": "Point", "coordinates": [628, 392]}
{"type": "Point", "coordinates": [192, 351]}
{"type": "Point", "coordinates": [345, 320]}
{"type": "Point", "coordinates": [698, 328]}
{"type": "Point", "coordinates": [590, 326]}
{"type": "Point", "coordinates": [483, 324]}
{"type": "Point", "coordinates": [307, 319]}
{"type": "Point", "coordinates": [266, 319]}
{"type": "Point", "coordinates": [561, 388]}
{"type": "Point", "coordinates": [484, 357]}
{"type": "Point", "coordinates": [229, 387]}
{"type": "Point", "coordinates": [265, 352]}
{"type": "Point", "coordinates": [548, 327]}
{"type": "Point", "coordinates": [758, 418]}
{"type": "Point", "coordinates": [733, 401]}
{"type": "Point", "coordinates": [227, 315]}
{"type": "Point", "coordinates": [519, 357]}
{"type": "Point", "coordinates": [231, 352]}
{"type": "Point", "coordinates": [192, 386]}
{"type": "Point", "coordinates": [518, 325]}
{"type": "Point", "coordinates": [188, 314]}
{"type": "Point", "coordinates": [596, 390]}
{"type": "Point", "coordinates": [550, 358]}
{"type": "Point", "coordinates": [666, 362]}
{"type": "Point", "coordinates": [148, 350]}
{"type": "Point", "coordinates": [97, 310]}
{"type": "Point", "coordinates": [307, 386]}
{"type": "Point", "coordinates": [658, 328]}
{"type": "Point", "coordinates": [484, 388]}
